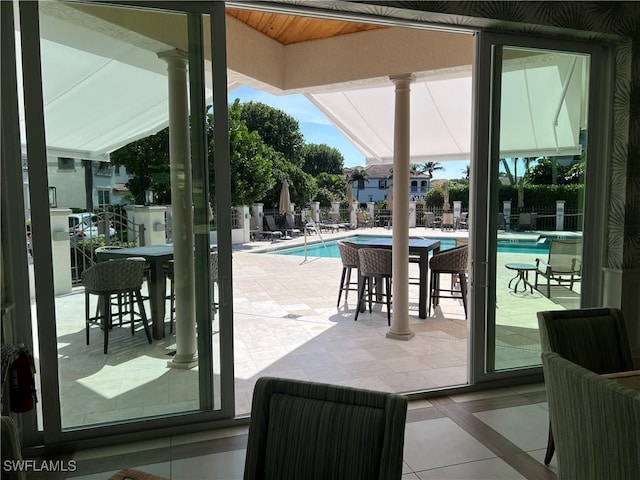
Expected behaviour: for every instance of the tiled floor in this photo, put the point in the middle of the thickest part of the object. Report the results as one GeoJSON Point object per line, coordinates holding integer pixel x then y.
{"type": "Point", "coordinates": [286, 323]}
{"type": "Point", "coordinates": [494, 434]}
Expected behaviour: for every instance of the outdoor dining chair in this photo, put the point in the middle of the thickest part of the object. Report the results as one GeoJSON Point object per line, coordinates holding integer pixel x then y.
{"type": "Point", "coordinates": [594, 338]}
{"type": "Point", "coordinates": [564, 265]}
{"type": "Point", "coordinates": [453, 261]}
{"type": "Point", "coordinates": [308, 430]}
{"type": "Point", "coordinates": [375, 267]}
{"type": "Point", "coordinates": [114, 277]}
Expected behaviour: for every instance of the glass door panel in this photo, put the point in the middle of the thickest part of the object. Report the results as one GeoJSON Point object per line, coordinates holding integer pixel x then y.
{"type": "Point", "coordinates": [116, 86]}
{"type": "Point", "coordinates": [537, 191]}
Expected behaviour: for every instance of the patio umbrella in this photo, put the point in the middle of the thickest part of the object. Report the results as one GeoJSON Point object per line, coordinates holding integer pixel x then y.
{"type": "Point", "coordinates": [390, 199]}
{"type": "Point", "coordinates": [350, 196]}
{"type": "Point", "coordinates": [285, 199]}
{"type": "Point", "coordinates": [446, 207]}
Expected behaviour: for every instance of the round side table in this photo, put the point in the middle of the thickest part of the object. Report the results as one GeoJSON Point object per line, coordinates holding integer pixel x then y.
{"type": "Point", "coordinates": [522, 275]}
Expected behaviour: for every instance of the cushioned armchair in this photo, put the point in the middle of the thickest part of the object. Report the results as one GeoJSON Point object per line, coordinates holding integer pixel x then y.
{"type": "Point", "coordinates": [594, 338]}
{"type": "Point", "coordinates": [595, 422]}
{"type": "Point", "coordinates": [305, 430]}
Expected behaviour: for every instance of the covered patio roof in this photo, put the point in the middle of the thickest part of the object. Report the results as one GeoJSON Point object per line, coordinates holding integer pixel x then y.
{"type": "Point", "coordinates": [88, 49]}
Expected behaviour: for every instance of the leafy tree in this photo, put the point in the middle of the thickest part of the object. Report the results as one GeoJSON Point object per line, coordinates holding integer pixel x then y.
{"type": "Point", "coordinates": [430, 167]}
{"type": "Point", "coordinates": [251, 163]}
{"type": "Point", "coordinates": [335, 185]}
{"type": "Point", "coordinates": [319, 158]}
{"type": "Point", "coordinates": [360, 175]}
{"type": "Point", "coordinates": [276, 128]}
{"type": "Point", "coordinates": [302, 186]}
{"type": "Point", "coordinates": [251, 160]}
{"type": "Point", "coordinates": [147, 160]}
{"type": "Point", "coordinates": [542, 173]}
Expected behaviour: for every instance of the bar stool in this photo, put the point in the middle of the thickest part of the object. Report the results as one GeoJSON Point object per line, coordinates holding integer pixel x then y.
{"type": "Point", "coordinates": [349, 257]}
{"type": "Point", "coordinates": [115, 277]}
{"type": "Point", "coordinates": [453, 261]}
{"type": "Point", "coordinates": [375, 264]}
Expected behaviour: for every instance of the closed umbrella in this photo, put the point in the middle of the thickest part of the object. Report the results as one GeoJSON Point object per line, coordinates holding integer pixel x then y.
{"type": "Point", "coordinates": [390, 199]}
{"type": "Point", "coordinates": [446, 205]}
{"type": "Point", "coordinates": [285, 199]}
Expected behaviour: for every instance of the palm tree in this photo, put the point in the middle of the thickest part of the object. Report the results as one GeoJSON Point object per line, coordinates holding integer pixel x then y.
{"type": "Point", "coordinates": [430, 167]}
{"type": "Point", "coordinates": [359, 175]}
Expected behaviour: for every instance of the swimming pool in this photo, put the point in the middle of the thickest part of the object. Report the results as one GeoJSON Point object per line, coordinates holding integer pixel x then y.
{"type": "Point", "coordinates": [330, 249]}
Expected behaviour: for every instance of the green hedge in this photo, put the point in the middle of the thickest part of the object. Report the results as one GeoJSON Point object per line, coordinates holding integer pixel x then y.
{"type": "Point", "coordinates": [540, 196]}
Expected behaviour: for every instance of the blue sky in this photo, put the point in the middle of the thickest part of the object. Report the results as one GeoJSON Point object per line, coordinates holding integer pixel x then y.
{"type": "Point", "coordinates": [317, 128]}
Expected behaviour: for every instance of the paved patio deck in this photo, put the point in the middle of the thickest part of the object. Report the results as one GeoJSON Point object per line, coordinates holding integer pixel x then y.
{"type": "Point", "coordinates": [286, 324]}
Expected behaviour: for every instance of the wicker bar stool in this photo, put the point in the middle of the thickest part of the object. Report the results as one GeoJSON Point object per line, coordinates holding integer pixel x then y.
{"type": "Point", "coordinates": [453, 261]}
{"type": "Point", "coordinates": [168, 270]}
{"type": "Point", "coordinates": [115, 277]}
{"type": "Point", "coordinates": [375, 264]}
{"type": "Point", "coordinates": [350, 261]}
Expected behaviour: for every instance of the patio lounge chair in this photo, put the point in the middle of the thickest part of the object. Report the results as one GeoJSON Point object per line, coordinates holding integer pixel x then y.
{"type": "Point", "coordinates": [448, 222]}
{"type": "Point", "coordinates": [527, 221]}
{"type": "Point", "coordinates": [563, 266]}
{"type": "Point", "coordinates": [303, 430]}
{"type": "Point", "coordinates": [290, 225]}
{"type": "Point", "coordinates": [363, 220]}
{"type": "Point", "coordinates": [463, 221]}
{"type": "Point", "coordinates": [271, 231]}
{"type": "Point", "coordinates": [430, 220]}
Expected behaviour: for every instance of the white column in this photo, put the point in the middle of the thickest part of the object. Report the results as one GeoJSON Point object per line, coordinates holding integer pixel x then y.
{"type": "Point", "coordinates": [412, 214]}
{"type": "Point", "coordinates": [335, 211]}
{"type": "Point", "coordinates": [559, 215]}
{"type": "Point", "coordinates": [257, 217]}
{"type": "Point", "coordinates": [60, 250]}
{"type": "Point", "coordinates": [132, 227]}
{"type": "Point", "coordinates": [506, 213]}
{"type": "Point", "coordinates": [401, 173]}
{"type": "Point", "coordinates": [153, 219]}
{"type": "Point", "coordinates": [181, 203]}
{"type": "Point", "coordinates": [245, 221]}
{"type": "Point", "coordinates": [353, 215]}
{"type": "Point", "coordinates": [457, 208]}
{"type": "Point", "coordinates": [315, 211]}
{"type": "Point", "coordinates": [371, 211]}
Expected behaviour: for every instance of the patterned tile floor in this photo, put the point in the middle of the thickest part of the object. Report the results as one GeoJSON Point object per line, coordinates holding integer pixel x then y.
{"type": "Point", "coordinates": [286, 323]}
{"type": "Point", "coordinates": [495, 434]}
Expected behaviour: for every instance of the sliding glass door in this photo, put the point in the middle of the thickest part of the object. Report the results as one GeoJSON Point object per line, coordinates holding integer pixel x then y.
{"type": "Point", "coordinates": [117, 147]}
{"type": "Point", "coordinates": [538, 191]}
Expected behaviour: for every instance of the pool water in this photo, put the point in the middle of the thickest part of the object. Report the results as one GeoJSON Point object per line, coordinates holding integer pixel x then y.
{"type": "Point", "coordinates": [330, 249]}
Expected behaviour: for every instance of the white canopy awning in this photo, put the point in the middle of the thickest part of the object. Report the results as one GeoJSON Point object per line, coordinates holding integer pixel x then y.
{"type": "Point", "coordinates": [541, 114]}
{"type": "Point", "coordinates": [542, 105]}
{"type": "Point", "coordinates": [77, 62]}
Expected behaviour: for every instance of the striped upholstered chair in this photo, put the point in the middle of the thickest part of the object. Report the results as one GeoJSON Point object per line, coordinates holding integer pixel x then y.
{"type": "Point", "coordinates": [306, 430]}
{"type": "Point", "coordinates": [595, 421]}
{"type": "Point", "coordinates": [594, 338]}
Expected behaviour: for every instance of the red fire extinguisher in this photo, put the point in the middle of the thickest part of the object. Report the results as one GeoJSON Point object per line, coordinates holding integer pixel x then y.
{"type": "Point", "coordinates": [22, 390]}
